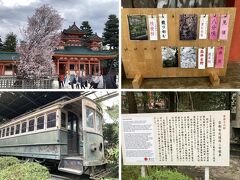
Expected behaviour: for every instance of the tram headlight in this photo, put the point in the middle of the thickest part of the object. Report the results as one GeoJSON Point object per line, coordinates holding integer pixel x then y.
{"type": "Point", "coordinates": [93, 147]}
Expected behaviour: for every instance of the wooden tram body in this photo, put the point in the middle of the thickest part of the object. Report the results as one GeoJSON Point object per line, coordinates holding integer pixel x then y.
{"type": "Point", "coordinates": [67, 132]}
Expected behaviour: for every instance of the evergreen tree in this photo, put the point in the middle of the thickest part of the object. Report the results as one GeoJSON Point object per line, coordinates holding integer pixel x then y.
{"type": "Point", "coordinates": [1, 44]}
{"type": "Point", "coordinates": [110, 34]}
{"type": "Point", "coordinates": [10, 42]}
{"type": "Point", "coordinates": [87, 29]}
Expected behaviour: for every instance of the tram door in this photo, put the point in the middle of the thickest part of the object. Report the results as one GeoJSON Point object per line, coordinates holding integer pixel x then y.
{"type": "Point", "coordinates": [73, 141]}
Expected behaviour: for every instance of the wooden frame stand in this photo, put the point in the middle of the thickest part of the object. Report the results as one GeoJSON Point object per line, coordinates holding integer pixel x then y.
{"type": "Point", "coordinates": [143, 58]}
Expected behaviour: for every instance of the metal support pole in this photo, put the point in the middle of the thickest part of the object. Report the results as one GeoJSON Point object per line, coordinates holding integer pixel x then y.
{"type": "Point", "coordinates": [143, 171]}
{"type": "Point", "coordinates": [206, 173]}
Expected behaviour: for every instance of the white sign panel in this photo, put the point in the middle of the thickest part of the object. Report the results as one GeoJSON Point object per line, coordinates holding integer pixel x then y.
{"type": "Point", "coordinates": [203, 26]}
{"type": "Point", "coordinates": [138, 133]}
{"type": "Point", "coordinates": [201, 58]}
{"type": "Point", "coordinates": [179, 138]}
{"type": "Point", "coordinates": [152, 20]}
{"type": "Point", "coordinates": [210, 57]}
{"type": "Point", "coordinates": [163, 22]}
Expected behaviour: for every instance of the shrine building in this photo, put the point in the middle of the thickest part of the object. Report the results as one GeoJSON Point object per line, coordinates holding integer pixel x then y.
{"type": "Point", "coordinates": [76, 52]}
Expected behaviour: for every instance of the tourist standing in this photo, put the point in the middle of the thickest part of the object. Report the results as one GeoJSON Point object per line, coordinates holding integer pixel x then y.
{"type": "Point", "coordinates": [67, 78]}
{"type": "Point", "coordinates": [100, 84]}
{"type": "Point", "coordinates": [61, 80]}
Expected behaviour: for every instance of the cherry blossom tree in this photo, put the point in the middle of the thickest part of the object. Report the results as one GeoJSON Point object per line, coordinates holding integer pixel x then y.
{"type": "Point", "coordinates": [40, 39]}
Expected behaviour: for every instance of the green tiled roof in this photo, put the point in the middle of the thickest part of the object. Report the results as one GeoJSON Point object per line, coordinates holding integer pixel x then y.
{"type": "Point", "coordinates": [73, 29]}
{"type": "Point", "coordinates": [76, 50]}
{"type": "Point", "coordinates": [95, 37]}
{"type": "Point", "coordinates": [8, 56]}
{"type": "Point", "coordinates": [70, 50]}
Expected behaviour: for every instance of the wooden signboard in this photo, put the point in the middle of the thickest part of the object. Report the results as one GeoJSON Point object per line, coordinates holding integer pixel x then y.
{"type": "Point", "coordinates": [143, 58]}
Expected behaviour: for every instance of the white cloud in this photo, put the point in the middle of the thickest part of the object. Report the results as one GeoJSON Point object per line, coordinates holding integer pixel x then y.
{"type": "Point", "coordinates": [14, 3]}
{"type": "Point", "coordinates": [15, 13]}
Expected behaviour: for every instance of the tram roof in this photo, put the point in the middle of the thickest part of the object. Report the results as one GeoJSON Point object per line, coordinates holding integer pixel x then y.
{"type": "Point", "coordinates": [13, 104]}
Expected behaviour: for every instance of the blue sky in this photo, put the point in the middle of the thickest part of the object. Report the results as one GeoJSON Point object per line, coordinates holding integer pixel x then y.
{"type": "Point", "coordinates": [14, 13]}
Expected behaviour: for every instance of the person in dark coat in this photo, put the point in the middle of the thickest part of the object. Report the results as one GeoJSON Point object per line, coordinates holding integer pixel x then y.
{"type": "Point", "coordinates": [61, 80]}
{"type": "Point", "coordinates": [72, 80]}
{"type": "Point", "coordinates": [78, 81]}
{"type": "Point", "coordinates": [83, 82]}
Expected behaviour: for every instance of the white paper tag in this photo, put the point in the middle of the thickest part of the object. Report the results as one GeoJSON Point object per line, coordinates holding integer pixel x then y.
{"type": "Point", "coordinates": [210, 57]}
{"type": "Point", "coordinates": [152, 20]}
{"type": "Point", "coordinates": [203, 26]}
{"type": "Point", "coordinates": [201, 58]}
{"type": "Point", "coordinates": [163, 26]}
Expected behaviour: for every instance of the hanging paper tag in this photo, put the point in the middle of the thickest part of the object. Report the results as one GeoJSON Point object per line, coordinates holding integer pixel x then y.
{"type": "Point", "coordinates": [220, 57]}
{"type": "Point", "coordinates": [203, 26]}
{"type": "Point", "coordinates": [210, 57]}
{"type": "Point", "coordinates": [223, 34]}
{"type": "Point", "coordinates": [201, 58]}
{"type": "Point", "coordinates": [163, 26]}
{"type": "Point", "coordinates": [152, 20]}
{"type": "Point", "coordinates": [213, 27]}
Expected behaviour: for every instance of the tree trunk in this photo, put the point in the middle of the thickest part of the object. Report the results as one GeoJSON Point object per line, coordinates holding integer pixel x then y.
{"type": "Point", "coordinates": [172, 102]}
{"type": "Point", "coordinates": [238, 109]}
{"type": "Point", "coordinates": [145, 102]}
{"type": "Point", "coordinates": [132, 105]}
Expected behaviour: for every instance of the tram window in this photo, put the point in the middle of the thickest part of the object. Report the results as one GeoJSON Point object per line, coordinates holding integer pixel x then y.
{"type": "Point", "coordinates": [75, 126]}
{"type": "Point", "coordinates": [24, 127]}
{"type": "Point", "coordinates": [7, 132]}
{"type": "Point", "coordinates": [31, 125]}
{"type": "Point", "coordinates": [90, 116]}
{"type": "Point", "coordinates": [17, 131]}
{"type": "Point", "coordinates": [98, 123]}
{"type": "Point", "coordinates": [63, 120]}
{"type": "Point", "coordinates": [40, 122]}
{"type": "Point", "coordinates": [51, 120]}
{"type": "Point", "coordinates": [3, 132]}
{"type": "Point", "coordinates": [12, 131]}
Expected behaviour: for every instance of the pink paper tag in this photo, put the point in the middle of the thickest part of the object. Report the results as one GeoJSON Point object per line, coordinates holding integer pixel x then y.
{"type": "Point", "coordinates": [223, 34]}
{"type": "Point", "coordinates": [220, 57]}
{"type": "Point", "coordinates": [213, 27]}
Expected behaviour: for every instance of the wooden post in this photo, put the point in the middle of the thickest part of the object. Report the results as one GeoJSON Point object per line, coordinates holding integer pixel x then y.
{"type": "Point", "coordinates": [89, 67]}
{"type": "Point", "coordinates": [12, 70]}
{"type": "Point", "coordinates": [57, 66]}
{"type": "Point", "coordinates": [99, 66]}
{"type": "Point", "coordinates": [137, 81]}
{"type": "Point", "coordinates": [3, 70]}
{"type": "Point", "coordinates": [68, 65]}
{"type": "Point", "coordinates": [143, 171]}
{"type": "Point", "coordinates": [95, 69]}
{"type": "Point", "coordinates": [214, 78]}
{"type": "Point", "coordinates": [206, 173]}
{"type": "Point", "coordinates": [84, 67]}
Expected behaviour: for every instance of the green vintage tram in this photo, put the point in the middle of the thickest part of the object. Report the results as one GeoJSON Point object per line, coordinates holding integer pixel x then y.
{"type": "Point", "coordinates": [67, 132]}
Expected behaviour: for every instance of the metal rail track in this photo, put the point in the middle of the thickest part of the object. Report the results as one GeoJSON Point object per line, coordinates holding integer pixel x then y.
{"type": "Point", "coordinates": [58, 177]}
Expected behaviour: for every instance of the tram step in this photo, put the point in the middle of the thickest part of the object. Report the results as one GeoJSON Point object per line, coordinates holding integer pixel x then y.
{"type": "Point", "coordinates": [71, 165]}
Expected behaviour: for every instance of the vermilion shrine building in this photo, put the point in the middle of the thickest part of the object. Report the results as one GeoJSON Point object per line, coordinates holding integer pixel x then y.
{"type": "Point", "coordinates": [74, 53]}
